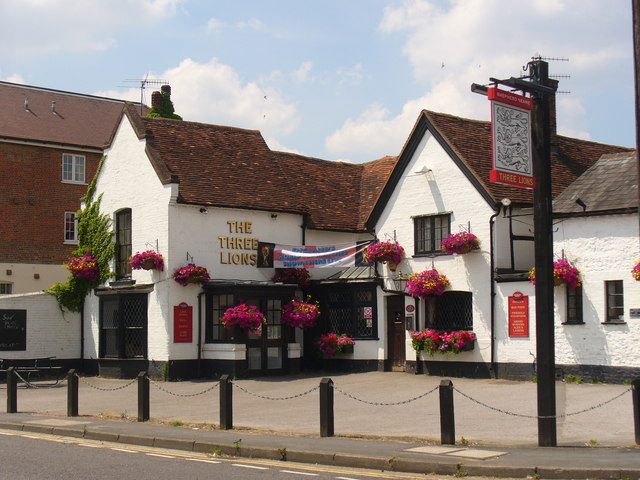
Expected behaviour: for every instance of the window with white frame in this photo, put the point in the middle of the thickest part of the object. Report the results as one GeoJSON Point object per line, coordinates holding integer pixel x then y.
{"type": "Point", "coordinates": [429, 231]}
{"type": "Point", "coordinates": [70, 227]}
{"type": "Point", "coordinates": [73, 168]}
{"type": "Point", "coordinates": [6, 288]}
{"type": "Point", "coordinates": [615, 301]}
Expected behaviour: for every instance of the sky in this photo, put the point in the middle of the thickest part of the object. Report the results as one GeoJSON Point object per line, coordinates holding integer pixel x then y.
{"type": "Point", "coordinates": [333, 79]}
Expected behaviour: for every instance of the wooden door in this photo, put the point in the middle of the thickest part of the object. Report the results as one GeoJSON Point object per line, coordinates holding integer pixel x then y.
{"type": "Point", "coordinates": [396, 332]}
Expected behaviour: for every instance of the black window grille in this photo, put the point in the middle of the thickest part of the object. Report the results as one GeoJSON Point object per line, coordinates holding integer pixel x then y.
{"type": "Point", "coordinates": [453, 310]}
{"type": "Point", "coordinates": [349, 309]}
{"type": "Point", "coordinates": [123, 326]}
{"type": "Point", "coordinates": [429, 231]}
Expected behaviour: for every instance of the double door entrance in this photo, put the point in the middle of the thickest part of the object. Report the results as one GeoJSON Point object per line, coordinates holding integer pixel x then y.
{"type": "Point", "coordinates": [266, 348]}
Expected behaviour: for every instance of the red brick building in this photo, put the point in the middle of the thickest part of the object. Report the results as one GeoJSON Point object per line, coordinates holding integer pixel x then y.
{"type": "Point", "coordinates": [51, 142]}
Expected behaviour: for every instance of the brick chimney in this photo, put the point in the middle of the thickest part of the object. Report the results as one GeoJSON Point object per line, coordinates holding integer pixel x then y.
{"type": "Point", "coordinates": [156, 100]}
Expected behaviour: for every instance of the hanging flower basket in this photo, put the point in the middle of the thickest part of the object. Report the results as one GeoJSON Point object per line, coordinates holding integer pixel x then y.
{"type": "Point", "coordinates": [426, 284]}
{"type": "Point", "coordinates": [463, 242]}
{"type": "Point", "coordinates": [563, 272]}
{"type": "Point", "coordinates": [84, 266]}
{"type": "Point", "coordinates": [299, 276]}
{"type": "Point", "coordinates": [298, 313]}
{"type": "Point", "coordinates": [247, 317]}
{"type": "Point", "coordinates": [147, 261]}
{"type": "Point", "coordinates": [635, 271]}
{"type": "Point", "coordinates": [190, 274]}
{"type": "Point", "coordinates": [440, 341]}
{"type": "Point", "coordinates": [331, 343]}
{"type": "Point", "coordinates": [390, 252]}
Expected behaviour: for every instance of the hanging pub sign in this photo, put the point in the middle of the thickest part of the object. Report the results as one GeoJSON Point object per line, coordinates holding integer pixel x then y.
{"type": "Point", "coordinates": [182, 323]}
{"type": "Point", "coordinates": [511, 139]}
{"type": "Point", "coordinates": [344, 255]}
{"type": "Point", "coordinates": [518, 315]}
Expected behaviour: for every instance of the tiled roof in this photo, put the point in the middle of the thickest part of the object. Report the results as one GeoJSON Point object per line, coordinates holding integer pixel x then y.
{"type": "Point", "coordinates": [471, 142]}
{"type": "Point", "coordinates": [27, 114]}
{"type": "Point", "coordinates": [610, 184]}
{"type": "Point", "coordinates": [234, 168]}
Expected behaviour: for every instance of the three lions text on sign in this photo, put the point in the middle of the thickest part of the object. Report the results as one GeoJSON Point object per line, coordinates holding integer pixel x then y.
{"type": "Point", "coordinates": [511, 134]}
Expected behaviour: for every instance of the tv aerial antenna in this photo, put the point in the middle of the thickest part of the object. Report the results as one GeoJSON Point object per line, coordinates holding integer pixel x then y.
{"type": "Point", "coordinates": [143, 85]}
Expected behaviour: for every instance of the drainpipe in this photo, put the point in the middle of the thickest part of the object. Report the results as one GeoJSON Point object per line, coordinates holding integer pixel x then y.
{"type": "Point", "coordinates": [199, 372]}
{"type": "Point", "coordinates": [493, 286]}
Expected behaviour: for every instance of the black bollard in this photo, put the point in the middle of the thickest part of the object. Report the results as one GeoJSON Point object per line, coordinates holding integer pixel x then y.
{"type": "Point", "coordinates": [635, 395]}
{"type": "Point", "coordinates": [12, 390]}
{"type": "Point", "coordinates": [326, 407]}
{"type": "Point", "coordinates": [143, 397]}
{"type": "Point", "coordinates": [226, 403]}
{"type": "Point", "coordinates": [72, 393]}
{"type": "Point", "coordinates": [447, 416]}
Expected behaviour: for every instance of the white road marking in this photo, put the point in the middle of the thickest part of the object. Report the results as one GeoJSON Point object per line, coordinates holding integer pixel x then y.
{"type": "Point", "coordinates": [202, 460]}
{"type": "Point", "coordinates": [249, 466]}
{"type": "Point", "coordinates": [123, 450]}
{"type": "Point", "coordinates": [160, 455]}
{"type": "Point", "coordinates": [300, 473]}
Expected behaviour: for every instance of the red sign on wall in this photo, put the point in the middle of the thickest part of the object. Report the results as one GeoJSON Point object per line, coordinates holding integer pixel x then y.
{"type": "Point", "coordinates": [518, 315]}
{"type": "Point", "coordinates": [182, 323]}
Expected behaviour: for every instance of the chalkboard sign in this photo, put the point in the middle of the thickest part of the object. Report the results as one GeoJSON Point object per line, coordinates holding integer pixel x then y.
{"type": "Point", "coordinates": [13, 330]}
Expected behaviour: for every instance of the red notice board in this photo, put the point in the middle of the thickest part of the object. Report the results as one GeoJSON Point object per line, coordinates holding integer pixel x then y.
{"type": "Point", "coordinates": [519, 315]}
{"type": "Point", "coordinates": [182, 323]}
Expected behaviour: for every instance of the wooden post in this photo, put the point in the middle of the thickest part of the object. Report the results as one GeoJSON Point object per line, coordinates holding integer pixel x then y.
{"type": "Point", "coordinates": [326, 408]}
{"type": "Point", "coordinates": [447, 415]}
{"type": "Point", "coordinates": [12, 391]}
{"type": "Point", "coordinates": [226, 403]}
{"type": "Point", "coordinates": [635, 395]}
{"type": "Point", "coordinates": [143, 397]}
{"type": "Point", "coordinates": [72, 393]}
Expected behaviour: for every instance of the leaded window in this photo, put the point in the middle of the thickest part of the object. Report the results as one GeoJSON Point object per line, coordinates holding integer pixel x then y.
{"type": "Point", "coordinates": [429, 231]}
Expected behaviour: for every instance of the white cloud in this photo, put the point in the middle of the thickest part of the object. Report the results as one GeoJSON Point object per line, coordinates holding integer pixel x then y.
{"type": "Point", "coordinates": [470, 41]}
{"type": "Point", "coordinates": [351, 76]}
{"type": "Point", "coordinates": [214, 25]}
{"type": "Point", "coordinates": [253, 23]}
{"type": "Point", "coordinates": [41, 27]}
{"type": "Point", "coordinates": [302, 73]}
{"type": "Point", "coordinates": [15, 78]}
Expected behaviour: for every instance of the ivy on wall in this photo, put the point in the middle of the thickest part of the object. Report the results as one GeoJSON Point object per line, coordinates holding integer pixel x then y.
{"type": "Point", "coordinates": [96, 236]}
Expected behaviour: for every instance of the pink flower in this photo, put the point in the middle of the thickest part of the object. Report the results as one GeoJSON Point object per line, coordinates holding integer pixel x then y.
{"type": "Point", "coordinates": [462, 242]}
{"type": "Point", "coordinates": [297, 313]}
{"type": "Point", "coordinates": [139, 259]}
{"type": "Point", "coordinates": [190, 274]}
{"type": "Point", "coordinates": [563, 271]}
{"type": "Point", "coordinates": [426, 284]}
{"type": "Point", "coordinates": [84, 266]}
{"type": "Point", "coordinates": [330, 343]}
{"type": "Point", "coordinates": [438, 341]}
{"type": "Point", "coordinates": [247, 317]}
{"type": "Point", "coordinates": [391, 252]}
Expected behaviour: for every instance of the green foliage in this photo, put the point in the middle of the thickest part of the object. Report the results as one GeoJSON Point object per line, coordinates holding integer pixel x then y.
{"type": "Point", "coordinates": [94, 234]}
{"type": "Point", "coordinates": [165, 110]}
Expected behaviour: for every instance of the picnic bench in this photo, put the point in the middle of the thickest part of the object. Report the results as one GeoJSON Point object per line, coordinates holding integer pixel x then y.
{"type": "Point", "coordinates": [30, 369]}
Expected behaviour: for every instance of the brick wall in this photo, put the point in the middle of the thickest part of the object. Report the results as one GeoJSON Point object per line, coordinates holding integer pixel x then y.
{"type": "Point", "coordinates": [33, 200]}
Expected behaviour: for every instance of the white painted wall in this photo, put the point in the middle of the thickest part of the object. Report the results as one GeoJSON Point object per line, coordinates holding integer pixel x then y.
{"type": "Point", "coordinates": [50, 332]}
{"type": "Point", "coordinates": [446, 190]}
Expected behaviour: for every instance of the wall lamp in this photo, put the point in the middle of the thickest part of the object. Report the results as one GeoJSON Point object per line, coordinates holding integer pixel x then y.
{"type": "Point", "coordinates": [204, 210]}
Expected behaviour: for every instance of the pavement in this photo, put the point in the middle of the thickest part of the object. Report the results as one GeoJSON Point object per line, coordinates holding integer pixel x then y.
{"type": "Point", "coordinates": [383, 420]}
